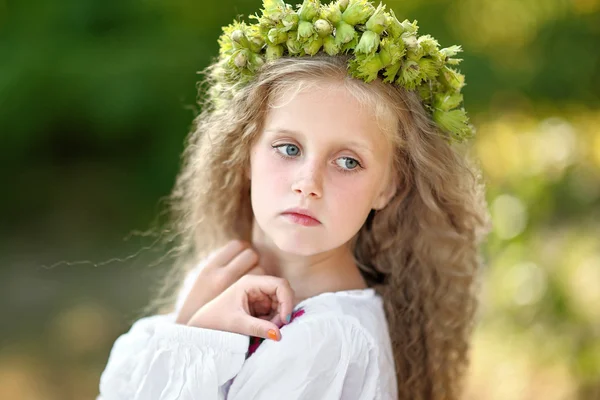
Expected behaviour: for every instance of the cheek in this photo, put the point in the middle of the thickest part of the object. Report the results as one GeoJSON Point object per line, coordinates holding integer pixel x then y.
{"type": "Point", "coordinates": [268, 172]}
{"type": "Point", "coordinates": [354, 190]}
{"type": "Point", "coordinates": [351, 201]}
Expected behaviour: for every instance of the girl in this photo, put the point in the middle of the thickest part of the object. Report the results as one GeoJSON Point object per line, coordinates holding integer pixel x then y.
{"type": "Point", "coordinates": [331, 213]}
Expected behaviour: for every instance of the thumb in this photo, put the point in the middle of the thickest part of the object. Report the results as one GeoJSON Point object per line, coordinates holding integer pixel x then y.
{"type": "Point", "coordinates": [253, 326]}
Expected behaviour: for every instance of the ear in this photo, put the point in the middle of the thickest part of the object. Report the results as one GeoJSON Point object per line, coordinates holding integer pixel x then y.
{"type": "Point", "coordinates": [386, 194]}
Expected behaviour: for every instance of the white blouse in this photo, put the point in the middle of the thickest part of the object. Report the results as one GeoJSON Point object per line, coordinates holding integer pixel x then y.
{"type": "Point", "coordinates": [336, 347]}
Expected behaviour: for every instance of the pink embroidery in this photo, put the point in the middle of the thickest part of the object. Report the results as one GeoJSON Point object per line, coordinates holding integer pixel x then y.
{"type": "Point", "coordinates": [256, 341]}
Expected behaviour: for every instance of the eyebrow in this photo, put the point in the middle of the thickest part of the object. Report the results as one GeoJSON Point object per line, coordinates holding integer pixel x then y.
{"type": "Point", "coordinates": [359, 144]}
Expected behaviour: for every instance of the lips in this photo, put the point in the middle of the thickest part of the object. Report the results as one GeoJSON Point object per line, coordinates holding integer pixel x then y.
{"type": "Point", "coordinates": [301, 211]}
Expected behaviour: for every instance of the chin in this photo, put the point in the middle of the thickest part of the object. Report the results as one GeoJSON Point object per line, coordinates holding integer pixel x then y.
{"type": "Point", "coordinates": [299, 244]}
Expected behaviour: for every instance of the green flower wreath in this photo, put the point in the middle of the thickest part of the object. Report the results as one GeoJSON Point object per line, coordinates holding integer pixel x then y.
{"type": "Point", "coordinates": [382, 47]}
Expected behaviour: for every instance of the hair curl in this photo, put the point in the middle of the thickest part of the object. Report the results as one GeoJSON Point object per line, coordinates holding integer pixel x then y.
{"type": "Point", "coordinates": [420, 252]}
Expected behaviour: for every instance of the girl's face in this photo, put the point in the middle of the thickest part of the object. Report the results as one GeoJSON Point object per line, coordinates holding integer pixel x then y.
{"type": "Point", "coordinates": [323, 152]}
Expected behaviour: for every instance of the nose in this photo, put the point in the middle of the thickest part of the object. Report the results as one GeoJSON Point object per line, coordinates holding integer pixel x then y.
{"type": "Point", "coordinates": [309, 182]}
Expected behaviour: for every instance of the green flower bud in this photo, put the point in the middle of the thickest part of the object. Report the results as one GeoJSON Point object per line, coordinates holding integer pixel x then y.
{"type": "Point", "coordinates": [274, 12]}
{"type": "Point", "coordinates": [263, 22]}
{"type": "Point", "coordinates": [344, 33]}
{"type": "Point", "coordinates": [391, 51]}
{"type": "Point", "coordinates": [394, 27]}
{"type": "Point", "coordinates": [448, 52]}
{"type": "Point", "coordinates": [313, 46]}
{"type": "Point", "coordinates": [366, 67]}
{"type": "Point", "coordinates": [305, 29]}
{"type": "Point", "coordinates": [239, 39]}
{"type": "Point", "coordinates": [309, 10]}
{"type": "Point", "coordinates": [428, 68]}
{"type": "Point", "coordinates": [350, 46]}
{"type": "Point", "coordinates": [274, 52]}
{"type": "Point", "coordinates": [332, 13]}
{"type": "Point", "coordinates": [234, 37]}
{"type": "Point", "coordinates": [429, 45]}
{"type": "Point", "coordinates": [391, 71]}
{"type": "Point", "coordinates": [409, 75]}
{"type": "Point", "coordinates": [357, 12]}
{"type": "Point", "coordinates": [454, 122]}
{"type": "Point", "coordinates": [378, 21]}
{"type": "Point", "coordinates": [451, 79]}
{"type": "Point", "coordinates": [238, 36]}
{"type": "Point", "coordinates": [415, 53]}
{"type": "Point", "coordinates": [240, 59]}
{"type": "Point", "coordinates": [410, 41]}
{"type": "Point", "coordinates": [451, 51]}
{"type": "Point", "coordinates": [256, 44]}
{"type": "Point", "coordinates": [277, 36]}
{"type": "Point", "coordinates": [330, 46]}
{"type": "Point", "coordinates": [453, 61]}
{"type": "Point", "coordinates": [293, 45]}
{"type": "Point", "coordinates": [343, 4]}
{"type": "Point", "coordinates": [255, 62]}
{"type": "Point", "coordinates": [290, 21]}
{"type": "Point", "coordinates": [410, 27]}
{"type": "Point", "coordinates": [273, 6]}
{"type": "Point", "coordinates": [323, 28]}
{"type": "Point", "coordinates": [369, 41]}
{"type": "Point", "coordinates": [447, 101]}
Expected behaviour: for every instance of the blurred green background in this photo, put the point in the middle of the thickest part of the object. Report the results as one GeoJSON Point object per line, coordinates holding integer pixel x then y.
{"type": "Point", "coordinates": [96, 99]}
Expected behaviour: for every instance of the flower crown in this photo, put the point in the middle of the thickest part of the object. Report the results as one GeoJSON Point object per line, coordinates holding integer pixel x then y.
{"type": "Point", "coordinates": [382, 46]}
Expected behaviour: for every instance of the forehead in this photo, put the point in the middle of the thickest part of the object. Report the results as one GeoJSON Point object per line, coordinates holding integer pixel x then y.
{"type": "Point", "coordinates": [326, 110]}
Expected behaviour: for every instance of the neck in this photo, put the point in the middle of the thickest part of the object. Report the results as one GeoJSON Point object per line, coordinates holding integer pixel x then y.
{"type": "Point", "coordinates": [331, 271]}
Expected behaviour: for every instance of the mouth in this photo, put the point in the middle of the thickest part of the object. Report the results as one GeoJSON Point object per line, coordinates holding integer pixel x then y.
{"type": "Point", "coordinates": [301, 216]}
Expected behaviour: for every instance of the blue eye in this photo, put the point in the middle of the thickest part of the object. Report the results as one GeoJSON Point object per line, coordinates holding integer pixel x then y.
{"type": "Point", "coordinates": [290, 149]}
{"type": "Point", "coordinates": [348, 163]}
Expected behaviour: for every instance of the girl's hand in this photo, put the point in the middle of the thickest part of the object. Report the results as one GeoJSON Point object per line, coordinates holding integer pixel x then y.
{"type": "Point", "coordinates": [222, 269]}
{"type": "Point", "coordinates": [251, 306]}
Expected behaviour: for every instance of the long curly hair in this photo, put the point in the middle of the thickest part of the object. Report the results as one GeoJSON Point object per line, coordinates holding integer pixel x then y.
{"type": "Point", "coordinates": [420, 252]}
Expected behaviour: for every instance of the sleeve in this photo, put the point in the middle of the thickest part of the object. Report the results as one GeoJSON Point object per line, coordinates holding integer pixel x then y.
{"type": "Point", "coordinates": [322, 358]}
{"type": "Point", "coordinates": [158, 359]}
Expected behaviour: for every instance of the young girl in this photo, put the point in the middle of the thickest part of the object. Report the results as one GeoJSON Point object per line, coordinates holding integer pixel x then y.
{"type": "Point", "coordinates": [325, 206]}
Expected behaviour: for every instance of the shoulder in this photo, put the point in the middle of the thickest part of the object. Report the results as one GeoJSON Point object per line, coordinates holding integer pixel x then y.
{"type": "Point", "coordinates": [362, 311]}
{"type": "Point", "coordinates": [331, 345]}
{"type": "Point", "coordinates": [355, 325]}
{"type": "Point", "coordinates": [334, 328]}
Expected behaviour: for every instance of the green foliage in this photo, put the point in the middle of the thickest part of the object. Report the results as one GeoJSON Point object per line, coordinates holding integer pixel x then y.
{"type": "Point", "coordinates": [359, 30]}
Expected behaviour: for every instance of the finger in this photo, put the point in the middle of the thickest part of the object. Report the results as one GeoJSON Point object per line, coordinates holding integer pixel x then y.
{"type": "Point", "coordinates": [225, 254]}
{"type": "Point", "coordinates": [277, 320]}
{"type": "Point", "coordinates": [260, 328]}
{"type": "Point", "coordinates": [242, 263]}
{"type": "Point", "coordinates": [278, 288]}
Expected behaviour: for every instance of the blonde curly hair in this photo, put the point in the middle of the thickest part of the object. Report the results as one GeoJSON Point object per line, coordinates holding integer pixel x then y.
{"type": "Point", "coordinates": [420, 252]}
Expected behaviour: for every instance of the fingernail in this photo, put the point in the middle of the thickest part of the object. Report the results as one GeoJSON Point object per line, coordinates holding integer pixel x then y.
{"type": "Point", "coordinates": [288, 318]}
{"type": "Point", "coordinates": [272, 334]}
